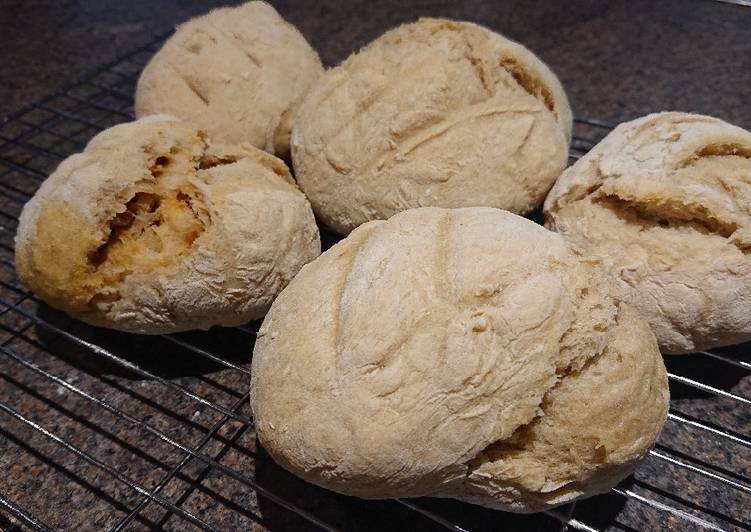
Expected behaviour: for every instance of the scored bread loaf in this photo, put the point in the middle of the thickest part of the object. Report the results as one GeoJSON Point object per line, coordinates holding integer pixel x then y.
{"type": "Point", "coordinates": [155, 229]}
{"type": "Point", "coordinates": [433, 113]}
{"type": "Point", "coordinates": [463, 353]}
{"type": "Point", "coordinates": [238, 73]}
{"type": "Point", "coordinates": [665, 201]}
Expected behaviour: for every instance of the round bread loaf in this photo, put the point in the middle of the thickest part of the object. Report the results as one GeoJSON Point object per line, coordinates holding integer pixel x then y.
{"type": "Point", "coordinates": [153, 229]}
{"type": "Point", "coordinates": [460, 353]}
{"type": "Point", "coordinates": [238, 73]}
{"type": "Point", "coordinates": [665, 200]}
{"type": "Point", "coordinates": [434, 113]}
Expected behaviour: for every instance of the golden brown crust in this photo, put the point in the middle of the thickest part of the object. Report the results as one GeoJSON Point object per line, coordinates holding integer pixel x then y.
{"type": "Point", "coordinates": [54, 267]}
{"type": "Point", "coordinates": [153, 228]}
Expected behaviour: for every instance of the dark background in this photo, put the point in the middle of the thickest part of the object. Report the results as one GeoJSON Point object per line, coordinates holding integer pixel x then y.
{"type": "Point", "coordinates": [617, 60]}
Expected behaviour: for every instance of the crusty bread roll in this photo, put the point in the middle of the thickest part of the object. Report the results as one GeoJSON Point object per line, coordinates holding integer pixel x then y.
{"type": "Point", "coordinates": [238, 73]}
{"type": "Point", "coordinates": [460, 353]}
{"type": "Point", "coordinates": [434, 113]}
{"type": "Point", "coordinates": [154, 229]}
{"type": "Point", "coordinates": [665, 200]}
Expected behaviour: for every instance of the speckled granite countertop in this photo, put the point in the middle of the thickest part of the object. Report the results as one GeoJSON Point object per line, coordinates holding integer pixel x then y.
{"type": "Point", "coordinates": [617, 60]}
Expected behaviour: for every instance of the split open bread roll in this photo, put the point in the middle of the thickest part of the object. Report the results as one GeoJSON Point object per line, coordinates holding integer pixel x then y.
{"type": "Point", "coordinates": [433, 113]}
{"type": "Point", "coordinates": [665, 200]}
{"type": "Point", "coordinates": [463, 353]}
{"type": "Point", "coordinates": [238, 73]}
{"type": "Point", "coordinates": [154, 229]}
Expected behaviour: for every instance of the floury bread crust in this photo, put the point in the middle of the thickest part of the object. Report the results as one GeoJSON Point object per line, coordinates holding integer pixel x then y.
{"type": "Point", "coordinates": [154, 229]}
{"type": "Point", "coordinates": [665, 200]}
{"type": "Point", "coordinates": [238, 73]}
{"type": "Point", "coordinates": [460, 353]}
{"type": "Point", "coordinates": [434, 113]}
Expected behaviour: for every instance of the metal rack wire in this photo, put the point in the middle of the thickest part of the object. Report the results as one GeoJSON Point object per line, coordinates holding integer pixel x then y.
{"type": "Point", "coordinates": [119, 432]}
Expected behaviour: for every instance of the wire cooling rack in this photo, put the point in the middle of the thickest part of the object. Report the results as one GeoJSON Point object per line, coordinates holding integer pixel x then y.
{"type": "Point", "coordinates": [106, 431]}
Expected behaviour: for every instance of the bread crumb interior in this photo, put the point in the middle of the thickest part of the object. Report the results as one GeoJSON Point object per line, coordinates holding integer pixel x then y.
{"type": "Point", "coordinates": [159, 224]}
